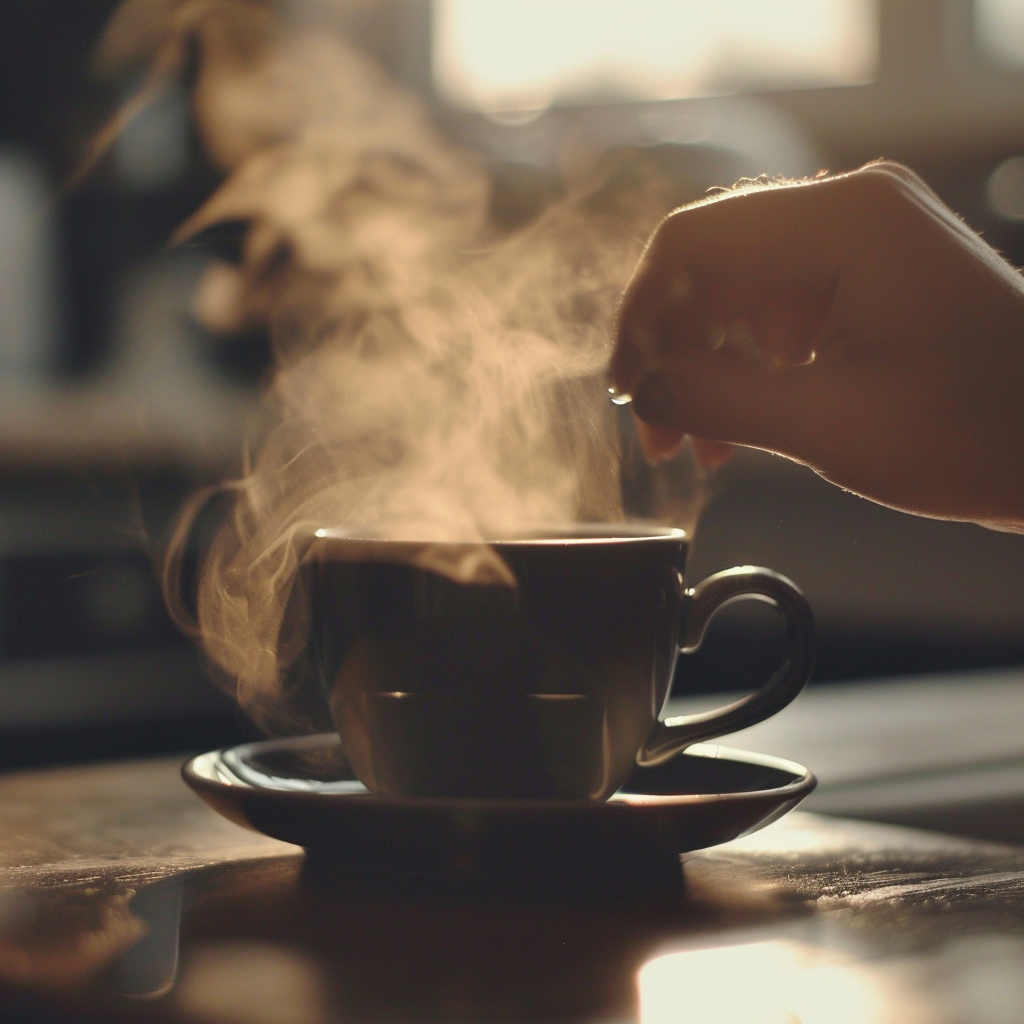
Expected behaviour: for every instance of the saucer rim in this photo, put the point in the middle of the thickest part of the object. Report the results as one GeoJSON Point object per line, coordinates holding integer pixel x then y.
{"type": "Point", "coordinates": [802, 784]}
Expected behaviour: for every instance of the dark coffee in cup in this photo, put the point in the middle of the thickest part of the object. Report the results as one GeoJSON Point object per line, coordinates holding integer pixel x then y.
{"type": "Point", "coordinates": [548, 688]}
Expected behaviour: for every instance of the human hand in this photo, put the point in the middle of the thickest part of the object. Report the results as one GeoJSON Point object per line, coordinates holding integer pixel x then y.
{"type": "Point", "coordinates": [851, 323]}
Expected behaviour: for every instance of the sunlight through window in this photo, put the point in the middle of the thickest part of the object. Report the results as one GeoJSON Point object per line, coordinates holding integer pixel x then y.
{"type": "Point", "coordinates": [999, 31]}
{"type": "Point", "coordinates": [496, 55]}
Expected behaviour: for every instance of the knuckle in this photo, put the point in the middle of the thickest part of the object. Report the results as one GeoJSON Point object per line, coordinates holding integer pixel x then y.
{"type": "Point", "coordinates": [671, 234]}
{"type": "Point", "coordinates": [891, 168]}
{"type": "Point", "coordinates": [884, 182]}
{"type": "Point", "coordinates": [878, 198]}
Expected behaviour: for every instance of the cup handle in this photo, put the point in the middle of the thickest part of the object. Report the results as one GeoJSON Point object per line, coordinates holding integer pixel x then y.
{"type": "Point", "coordinates": [745, 581]}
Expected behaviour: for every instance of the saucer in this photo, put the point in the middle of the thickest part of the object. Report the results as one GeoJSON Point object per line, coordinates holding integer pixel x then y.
{"type": "Point", "coordinates": [302, 790]}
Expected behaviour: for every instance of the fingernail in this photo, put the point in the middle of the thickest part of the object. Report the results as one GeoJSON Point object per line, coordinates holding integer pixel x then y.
{"type": "Point", "coordinates": [655, 399]}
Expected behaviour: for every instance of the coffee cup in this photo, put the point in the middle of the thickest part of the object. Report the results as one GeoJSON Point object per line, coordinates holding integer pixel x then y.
{"type": "Point", "coordinates": [547, 684]}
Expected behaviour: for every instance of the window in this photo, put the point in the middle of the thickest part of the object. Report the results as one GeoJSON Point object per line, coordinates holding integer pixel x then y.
{"type": "Point", "coordinates": [496, 55]}
{"type": "Point", "coordinates": [999, 31]}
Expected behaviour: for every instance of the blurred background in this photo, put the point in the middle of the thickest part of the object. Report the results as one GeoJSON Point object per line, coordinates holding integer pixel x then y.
{"type": "Point", "coordinates": [115, 404]}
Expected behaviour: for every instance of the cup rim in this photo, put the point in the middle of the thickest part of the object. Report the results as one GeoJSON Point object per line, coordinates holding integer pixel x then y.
{"type": "Point", "coordinates": [572, 534]}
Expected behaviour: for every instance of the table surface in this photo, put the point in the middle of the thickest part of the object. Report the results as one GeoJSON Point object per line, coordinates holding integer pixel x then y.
{"type": "Point", "coordinates": [942, 751]}
{"type": "Point", "coordinates": [122, 896]}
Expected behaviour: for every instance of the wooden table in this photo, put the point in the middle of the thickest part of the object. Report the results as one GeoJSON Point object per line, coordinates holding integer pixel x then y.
{"type": "Point", "coordinates": [122, 897]}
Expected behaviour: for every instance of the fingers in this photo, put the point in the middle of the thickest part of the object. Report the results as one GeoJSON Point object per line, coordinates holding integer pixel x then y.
{"type": "Point", "coordinates": [720, 397]}
{"type": "Point", "coordinates": [766, 259]}
{"type": "Point", "coordinates": [790, 328]}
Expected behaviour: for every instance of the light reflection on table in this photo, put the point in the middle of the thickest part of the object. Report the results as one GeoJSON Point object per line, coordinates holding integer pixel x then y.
{"type": "Point", "coordinates": [772, 981]}
{"type": "Point", "coordinates": [751, 980]}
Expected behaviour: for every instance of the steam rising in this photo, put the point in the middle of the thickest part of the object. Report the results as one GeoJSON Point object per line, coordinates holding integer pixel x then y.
{"type": "Point", "coordinates": [435, 382]}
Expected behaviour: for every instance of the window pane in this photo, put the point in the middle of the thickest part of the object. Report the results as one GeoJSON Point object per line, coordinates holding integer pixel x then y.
{"type": "Point", "coordinates": [999, 31]}
{"type": "Point", "coordinates": [516, 54]}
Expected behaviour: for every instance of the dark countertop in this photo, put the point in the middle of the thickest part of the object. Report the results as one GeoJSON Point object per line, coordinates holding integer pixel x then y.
{"type": "Point", "coordinates": [122, 896]}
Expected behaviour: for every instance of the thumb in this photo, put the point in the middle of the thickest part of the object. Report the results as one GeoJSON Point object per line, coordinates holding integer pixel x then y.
{"type": "Point", "coordinates": [660, 443]}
